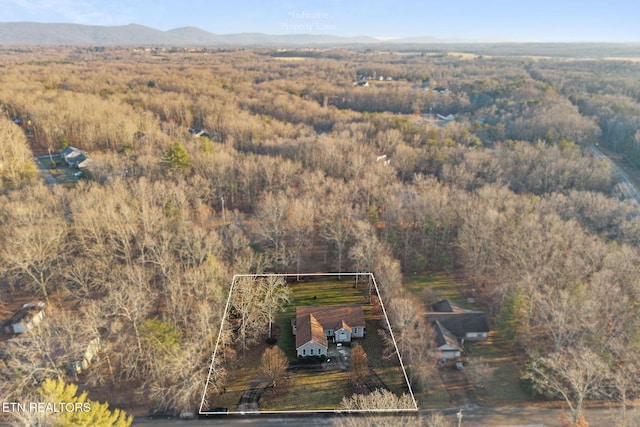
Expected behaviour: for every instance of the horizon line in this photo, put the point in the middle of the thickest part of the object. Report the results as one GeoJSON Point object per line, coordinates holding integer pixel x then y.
{"type": "Point", "coordinates": [411, 39]}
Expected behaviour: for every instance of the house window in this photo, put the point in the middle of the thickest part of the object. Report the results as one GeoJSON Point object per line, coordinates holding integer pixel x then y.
{"type": "Point", "coordinates": [312, 352]}
{"type": "Point", "coordinates": [355, 330]}
{"type": "Point", "coordinates": [304, 352]}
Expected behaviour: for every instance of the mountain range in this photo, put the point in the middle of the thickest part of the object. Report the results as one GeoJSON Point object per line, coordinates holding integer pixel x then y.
{"type": "Point", "coordinates": [32, 33]}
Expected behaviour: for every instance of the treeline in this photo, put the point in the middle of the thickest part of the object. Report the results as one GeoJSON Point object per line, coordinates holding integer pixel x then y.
{"type": "Point", "coordinates": [142, 253]}
{"type": "Point", "coordinates": [16, 161]}
{"type": "Point", "coordinates": [606, 91]}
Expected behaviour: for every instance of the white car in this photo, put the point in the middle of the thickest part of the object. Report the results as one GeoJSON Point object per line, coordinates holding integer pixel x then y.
{"type": "Point", "coordinates": [188, 414]}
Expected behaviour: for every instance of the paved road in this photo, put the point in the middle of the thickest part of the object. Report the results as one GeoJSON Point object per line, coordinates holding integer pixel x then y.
{"type": "Point", "coordinates": [528, 417]}
{"type": "Point", "coordinates": [626, 186]}
{"type": "Point", "coordinates": [471, 417]}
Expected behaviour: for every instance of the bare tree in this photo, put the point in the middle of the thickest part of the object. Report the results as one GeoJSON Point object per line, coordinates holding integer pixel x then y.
{"type": "Point", "coordinates": [300, 227]}
{"type": "Point", "coordinates": [275, 294]}
{"type": "Point", "coordinates": [414, 337]}
{"type": "Point", "coordinates": [274, 364]}
{"type": "Point", "coordinates": [359, 364]}
{"type": "Point", "coordinates": [575, 374]}
{"type": "Point", "coordinates": [246, 298]}
{"type": "Point", "coordinates": [270, 225]}
{"type": "Point", "coordinates": [338, 221]}
{"type": "Point", "coordinates": [377, 399]}
{"type": "Point", "coordinates": [34, 249]}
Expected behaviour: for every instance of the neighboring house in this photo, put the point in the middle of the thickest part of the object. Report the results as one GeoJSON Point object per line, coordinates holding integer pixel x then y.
{"type": "Point", "coordinates": [446, 118]}
{"type": "Point", "coordinates": [447, 306]}
{"type": "Point", "coordinates": [464, 324]}
{"type": "Point", "coordinates": [362, 84]}
{"type": "Point", "coordinates": [75, 157]}
{"type": "Point", "coordinates": [314, 326]}
{"type": "Point", "coordinates": [441, 90]}
{"type": "Point", "coordinates": [471, 325]}
{"type": "Point", "coordinates": [26, 318]}
{"type": "Point", "coordinates": [448, 347]}
{"type": "Point", "coordinates": [199, 132]}
{"type": "Point", "coordinates": [453, 324]}
{"type": "Point", "coordinates": [85, 359]}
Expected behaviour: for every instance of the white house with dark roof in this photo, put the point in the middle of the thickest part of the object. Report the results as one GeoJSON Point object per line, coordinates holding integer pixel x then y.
{"type": "Point", "coordinates": [453, 324]}
{"type": "Point", "coordinates": [465, 324]}
{"type": "Point", "coordinates": [24, 319]}
{"type": "Point", "coordinates": [448, 347]}
{"type": "Point", "coordinates": [75, 157]}
{"type": "Point", "coordinates": [314, 326]}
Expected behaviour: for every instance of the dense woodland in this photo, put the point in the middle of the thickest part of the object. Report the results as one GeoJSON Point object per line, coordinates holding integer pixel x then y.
{"type": "Point", "coordinates": [292, 179]}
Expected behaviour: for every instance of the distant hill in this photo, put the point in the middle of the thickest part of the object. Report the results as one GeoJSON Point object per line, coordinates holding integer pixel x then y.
{"type": "Point", "coordinates": [32, 33]}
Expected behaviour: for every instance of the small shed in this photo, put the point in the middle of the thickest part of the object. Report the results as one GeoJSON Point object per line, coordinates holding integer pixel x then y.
{"type": "Point", "coordinates": [25, 318]}
{"type": "Point", "coordinates": [83, 362]}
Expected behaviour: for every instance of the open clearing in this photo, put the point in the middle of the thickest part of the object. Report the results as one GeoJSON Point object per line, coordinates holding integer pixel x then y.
{"type": "Point", "coordinates": [503, 387]}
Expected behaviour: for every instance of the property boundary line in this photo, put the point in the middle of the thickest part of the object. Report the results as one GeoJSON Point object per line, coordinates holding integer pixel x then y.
{"type": "Point", "coordinates": [319, 411]}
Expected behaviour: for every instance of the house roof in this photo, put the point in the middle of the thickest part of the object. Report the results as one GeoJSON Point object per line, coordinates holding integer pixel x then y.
{"type": "Point", "coordinates": [445, 337]}
{"type": "Point", "coordinates": [24, 314]}
{"type": "Point", "coordinates": [309, 329]}
{"type": "Point", "coordinates": [447, 306]}
{"type": "Point", "coordinates": [461, 323]}
{"type": "Point", "coordinates": [312, 321]}
{"type": "Point", "coordinates": [332, 316]}
{"type": "Point", "coordinates": [69, 152]}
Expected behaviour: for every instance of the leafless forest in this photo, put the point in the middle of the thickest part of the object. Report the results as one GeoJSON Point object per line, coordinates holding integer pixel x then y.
{"type": "Point", "coordinates": [302, 169]}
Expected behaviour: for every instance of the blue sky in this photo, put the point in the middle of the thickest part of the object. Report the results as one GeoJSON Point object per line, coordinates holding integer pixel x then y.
{"type": "Point", "coordinates": [541, 20]}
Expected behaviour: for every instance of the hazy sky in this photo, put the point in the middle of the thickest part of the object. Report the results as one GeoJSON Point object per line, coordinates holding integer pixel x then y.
{"type": "Point", "coordinates": [539, 20]}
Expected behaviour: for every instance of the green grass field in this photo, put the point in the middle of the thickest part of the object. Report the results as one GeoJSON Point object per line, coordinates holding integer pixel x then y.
{"type": "Point", "coordinates": [321, 390]}
{"type": "Point", "coordinates": [503, 388]}
{"type": "Point", "coordinates": [308, 391]}
{"type": "Point", "coordinates": [59, 170]}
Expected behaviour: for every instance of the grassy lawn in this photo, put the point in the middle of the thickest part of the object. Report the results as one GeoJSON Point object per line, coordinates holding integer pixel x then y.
{"type": "Point", "coordinates": [503, 388]}
{"type": "Point", "coordinates": [325, 292]}
{"type": "Point", "coordinates": [239, 380]}
{"type": "Point", "coordinates": [389, 371]}
{"type": "Point", "coordinates": [309, 391]}
{"type": "Point", "coordinates": [62, 173]}
{"type": "Point", "coordinates": [435, 398]}
{"type": "Point", "coordinates": [325, 390]}
{"type": "Point", "coordinates": [436, 286]}
{"type": "Point", "coordinates": [319, 292]}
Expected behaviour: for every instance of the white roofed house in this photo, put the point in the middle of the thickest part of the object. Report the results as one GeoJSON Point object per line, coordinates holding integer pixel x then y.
{"type": "Point", "coordinates": [446, 118]}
